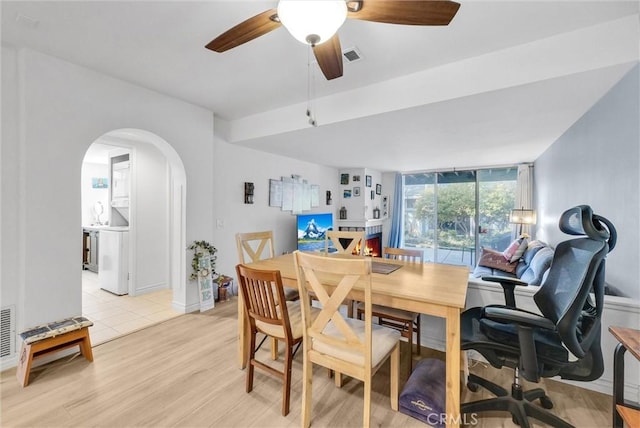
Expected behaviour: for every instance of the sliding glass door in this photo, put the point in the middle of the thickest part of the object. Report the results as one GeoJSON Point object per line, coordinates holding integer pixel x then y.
{"type": "Point", "coordinates": [496, 199]}
{"type": "Point", "coordinates": [451, 214]}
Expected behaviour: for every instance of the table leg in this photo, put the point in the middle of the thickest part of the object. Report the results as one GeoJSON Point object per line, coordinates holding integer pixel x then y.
{"type": "Point", "coordinates": [453, 368]}
{"type": "Point", "coordinates": [618, 383]}
{"type": "Point", "coordinates": [243, 334]}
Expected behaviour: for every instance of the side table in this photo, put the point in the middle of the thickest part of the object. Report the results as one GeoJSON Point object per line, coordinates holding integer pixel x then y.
{"type": "Point", "coordinates": [624, 412]}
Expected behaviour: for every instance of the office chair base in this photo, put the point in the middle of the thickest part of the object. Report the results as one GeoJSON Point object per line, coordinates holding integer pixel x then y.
{"type": "Point", "coordinates": [519, 403]}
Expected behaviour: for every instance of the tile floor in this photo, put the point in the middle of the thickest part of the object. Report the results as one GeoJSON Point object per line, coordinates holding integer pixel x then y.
{"type": "Point", "coordinates": [114, 316]}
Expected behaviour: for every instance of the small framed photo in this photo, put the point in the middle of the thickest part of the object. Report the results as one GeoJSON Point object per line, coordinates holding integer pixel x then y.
{"type": "Point", "coordinates": [344, 178]}
{"type": "Point", "coordinates": [367, 180]}
{"type": "Point", "coordinates": [346, 194]}
{"type": "Point", "coordinates": [378, 189]}
{"type": "Point", "coordinates": [99, 183]}
{"type": "Point", "coordinates": [373, 195]}
{"type": "Point", "coordinates": [356, 191]}
{"type": "Point", "coordinates": [356, 178]}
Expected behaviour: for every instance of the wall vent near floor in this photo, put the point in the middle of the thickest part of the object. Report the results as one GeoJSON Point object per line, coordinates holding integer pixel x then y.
{"type": "Point", "coordinates": [352, 54]}
{"type": "Point", "coordinates": [7, 331]}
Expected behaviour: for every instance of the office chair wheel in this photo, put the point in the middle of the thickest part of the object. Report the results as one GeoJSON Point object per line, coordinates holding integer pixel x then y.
{"type": "Point", "coordinates": [546, 402]}
{"type": "Point", "coordinates": [473, 387]}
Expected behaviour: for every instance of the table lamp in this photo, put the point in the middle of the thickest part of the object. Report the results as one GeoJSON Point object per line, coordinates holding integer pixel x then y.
{"type": "Point", "coordinates": [522, 216]}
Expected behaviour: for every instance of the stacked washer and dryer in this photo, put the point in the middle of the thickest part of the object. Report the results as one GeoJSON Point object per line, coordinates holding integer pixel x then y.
{"type": "Point", "coordinates": [114, 239]}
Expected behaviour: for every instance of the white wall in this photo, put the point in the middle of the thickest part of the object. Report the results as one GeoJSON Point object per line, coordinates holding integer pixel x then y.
{"type": "Point", "coordinates": [150, 221]}
{"type": "Point", "coordinates": [597, 162]}
{"type": "Point", "coordinates": [234, 165]}
{"type": "Point", "coordinates": [52, 111]}
{"type": "Point", "coordinates": [90, 195]}
{"type": "Point", "coordinates": [360, 208]}
{"type": "Point", "coordinates": [11, 181]}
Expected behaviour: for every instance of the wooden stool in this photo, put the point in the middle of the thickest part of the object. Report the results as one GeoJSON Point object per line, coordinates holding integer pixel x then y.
{"type": "Point", "coordinates": [46, 339]}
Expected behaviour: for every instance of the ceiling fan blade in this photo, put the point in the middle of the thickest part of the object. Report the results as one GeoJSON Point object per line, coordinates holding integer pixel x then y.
{"type": "Point", "coordinates": [406, 12]}
{"type": "Point", "coordinates": [329, 57]}
{"type": "Point", "coordinates": [246, 31]}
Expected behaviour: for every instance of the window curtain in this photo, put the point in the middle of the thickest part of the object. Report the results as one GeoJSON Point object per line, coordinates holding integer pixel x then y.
{"type": "Point", "coordinates": [395, 235]}
{"type": "Point", "coordinates": [524, 191]}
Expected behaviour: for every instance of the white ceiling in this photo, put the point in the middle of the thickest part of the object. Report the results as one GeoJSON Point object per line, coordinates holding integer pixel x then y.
{"type": "Point", "coordinates": [498, 85]}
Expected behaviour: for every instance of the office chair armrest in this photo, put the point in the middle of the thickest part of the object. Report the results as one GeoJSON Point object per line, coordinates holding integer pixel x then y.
{"type": "Point", "coordinates": [517, 316]}
{"type": "Point", "coordinates": [508, 287]}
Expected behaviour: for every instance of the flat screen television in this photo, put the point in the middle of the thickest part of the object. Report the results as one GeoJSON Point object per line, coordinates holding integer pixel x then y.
{"type": "Point", "coordinates": [312, 229]}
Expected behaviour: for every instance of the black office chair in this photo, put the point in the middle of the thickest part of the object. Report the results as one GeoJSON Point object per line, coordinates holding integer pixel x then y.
{"type": "Point", "coordinates": [564, 341]}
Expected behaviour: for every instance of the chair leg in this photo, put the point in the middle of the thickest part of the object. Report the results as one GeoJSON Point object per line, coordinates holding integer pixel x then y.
{"type": "Point", "coordinates": [505, 404]}
{"type": "Point", "coordinates": [350, 304]}
{"type": "Point", "coordinates": [534, 394]}
{"type": "Point", "coordinates": [274, 348]}
{"type": "Point", "coordinates": [366, 415]}
{"type": "Point", "coordinates": [307, 386]}
{"type": "Point", "coordinates": [409, 336]}
{"type": "Point", "coordinates": [286, 388]}
{"type": "Point", "coordinates": [542, 415]}
{"type": "Point", "coordinates": [418, 334]}
{"type": "Point", "coordinates": [249, 362]}
{"type": "Point", "coordinates": [394, 374]}
{"type": "Point", "coordinates": [496, 390]}
{"type": "Point", "coordinates": [519, 403]}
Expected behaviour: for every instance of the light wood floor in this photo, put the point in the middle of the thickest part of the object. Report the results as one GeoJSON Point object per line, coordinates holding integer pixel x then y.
{"type": "Point", "coordinates": [183, 373]}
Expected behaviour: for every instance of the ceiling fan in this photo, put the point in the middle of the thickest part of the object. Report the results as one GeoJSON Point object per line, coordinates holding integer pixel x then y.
{"type": "Point", "coordinates": [315, 22]}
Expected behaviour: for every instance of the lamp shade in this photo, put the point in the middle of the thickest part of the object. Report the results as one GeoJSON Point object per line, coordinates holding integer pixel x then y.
{"type": "Point", "coordinates": [522, 216]}
{"type": "Point", "coordinates": [312, 22]}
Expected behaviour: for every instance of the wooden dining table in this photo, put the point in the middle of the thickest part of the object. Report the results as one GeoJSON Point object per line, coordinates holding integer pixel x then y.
{"type": "Point", "coordinates": [429, 288]}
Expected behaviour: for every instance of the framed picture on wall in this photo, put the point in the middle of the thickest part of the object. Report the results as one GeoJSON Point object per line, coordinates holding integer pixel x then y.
{"type": "Point", "coordinates": [99, 183]}
{"type": "Point", "coordinates": [385, 206]}
{"type": "Point", "coordinates": [378, 189]}
{"type": "Point", "coordinates": [356, 191]}
{"type": "Point", "coordinates": [275, 193]}
{"type": "Point", "coordinates": [373, 195]}
{"type": "Point", "coordinates": [367, 180]}
{"type": "Point", "coordinates": [344, 178]}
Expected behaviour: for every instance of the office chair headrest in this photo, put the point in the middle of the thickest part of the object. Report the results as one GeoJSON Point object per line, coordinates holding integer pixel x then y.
{"type": "Point", "coordinates": [580, 220]}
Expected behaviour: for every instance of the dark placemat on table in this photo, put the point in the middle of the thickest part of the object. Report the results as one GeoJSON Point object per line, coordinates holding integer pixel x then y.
{"type": "Point", "coordinates": [384, 268]}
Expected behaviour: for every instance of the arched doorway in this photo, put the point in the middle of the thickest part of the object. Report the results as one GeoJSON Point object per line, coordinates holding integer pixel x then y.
{"type": "Point", "coordinates": [145, 229]}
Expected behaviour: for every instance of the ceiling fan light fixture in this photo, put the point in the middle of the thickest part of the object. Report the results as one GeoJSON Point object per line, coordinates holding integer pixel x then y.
{"type": "Point", "coordinates": [312, 21]}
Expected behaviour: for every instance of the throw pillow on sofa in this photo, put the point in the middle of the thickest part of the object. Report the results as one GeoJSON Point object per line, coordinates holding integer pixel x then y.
{"type": "Point", "coordinates": [495, 260]}
{"type": "Point", "coordinates": [515, 250]}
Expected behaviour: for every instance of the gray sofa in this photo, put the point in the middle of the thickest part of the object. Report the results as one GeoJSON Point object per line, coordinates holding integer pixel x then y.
{"type": "Point", "coordinates": [531, 268]}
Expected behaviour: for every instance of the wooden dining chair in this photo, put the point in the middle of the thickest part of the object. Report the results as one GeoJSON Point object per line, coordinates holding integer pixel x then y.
{"type": "Point", "coordinates": [349, 346]}
{"type": "Point", "coordinates": [346, 243]}
{"type": "Point", "coordinates": [405, 322]}
{"type": "Point", "coordinates": [254, 246]}
{"type": "Point", "coordinates": [262, 291]}
{"type": "Point", "coordinates": [338, 238]}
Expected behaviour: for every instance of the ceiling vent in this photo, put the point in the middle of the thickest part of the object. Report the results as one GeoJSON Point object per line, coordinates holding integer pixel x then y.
{"type": "Point", "coordinates": [352, 54]}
